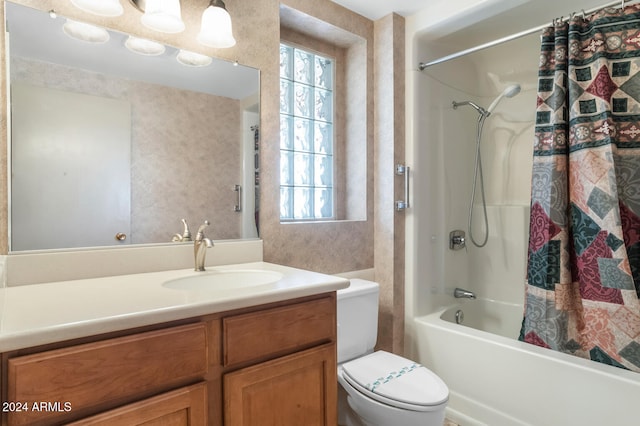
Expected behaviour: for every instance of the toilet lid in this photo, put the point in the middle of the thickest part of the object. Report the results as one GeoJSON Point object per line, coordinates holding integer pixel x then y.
{"type": "Point", "coordinates": [397, 381]}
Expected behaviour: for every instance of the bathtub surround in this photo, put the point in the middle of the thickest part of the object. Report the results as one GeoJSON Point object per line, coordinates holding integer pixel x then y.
{"type": "Point", "coordinates": [441, 142]}
{"type": "Point", "coordinates": [583, 276]}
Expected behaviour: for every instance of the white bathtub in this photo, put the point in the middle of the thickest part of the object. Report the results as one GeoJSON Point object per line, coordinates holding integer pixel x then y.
{"type": "Point", "coordinates": [496, 380]}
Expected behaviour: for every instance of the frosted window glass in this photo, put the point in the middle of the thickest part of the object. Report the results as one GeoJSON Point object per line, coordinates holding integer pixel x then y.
{"type": "Point", "coordinates": [324, 73]}
{"type": "Point", "coordinates": [323, 105]}
{"type": "Point", "coordinates": [303, 66]}
{"type": "Point", "coordinates": [286, 202]}
{"type": "Point", "coordinates": [323, 203]}
{"type": "Point", "coordinates": [302, 203]}
{"type": "Point", "coordinates": [303, 103]}
{"type": "Point", "coordinates": [286, 96]}
{"type": "Point", "coordinates": [286, 129]}
{"type": "Point", "coordinates": [306, 135]}
{"type": "Point", "coordinates": [285, 61]}
{"type": "Point", "coordinates": [303, 135]}
{"type": "Point", "coordinates": [323, 137]}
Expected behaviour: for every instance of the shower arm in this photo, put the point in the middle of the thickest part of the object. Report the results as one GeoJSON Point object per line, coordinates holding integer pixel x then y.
{"type": "Point", "coordinates": [477, 107]}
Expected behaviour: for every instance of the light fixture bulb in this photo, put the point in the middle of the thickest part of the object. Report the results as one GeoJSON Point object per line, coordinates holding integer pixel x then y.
{"type": "Point", "coordinates": [215, 29]}
{"type": "Point", "coordinates": [193, 59]}
{"type": "Point", "coordinates": [100, 7]}
{"type": "Point", "coordinates": [144, 47]}
{"type": "Point", "coordinates": [163, 15]}
{"type": "Point", "coordinates": [85, 32]}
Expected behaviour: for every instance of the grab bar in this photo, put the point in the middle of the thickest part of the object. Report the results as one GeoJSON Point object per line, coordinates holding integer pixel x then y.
{"type": "Point", "coordinates": [402, 170]}
{"type": "Point", "coordinates": [238, 207]}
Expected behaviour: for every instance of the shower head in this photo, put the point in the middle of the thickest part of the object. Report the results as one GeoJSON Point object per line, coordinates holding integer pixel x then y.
{"type": "Point", "coordinates": [509, 92]}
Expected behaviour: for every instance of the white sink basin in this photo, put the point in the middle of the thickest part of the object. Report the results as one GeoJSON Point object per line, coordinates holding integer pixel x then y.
{"type": "Point", "coordinates": [213, 280]}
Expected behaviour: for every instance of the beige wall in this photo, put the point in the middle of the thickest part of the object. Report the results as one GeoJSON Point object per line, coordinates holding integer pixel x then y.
{"type": "Point", "coordinates": [389, 151]}
{"type": "Point", "coordinates": [326, 247]}
{"type": "Point", "coordinates": [329, 247]}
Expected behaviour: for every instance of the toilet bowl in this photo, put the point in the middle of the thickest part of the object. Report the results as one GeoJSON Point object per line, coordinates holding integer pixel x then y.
{"type": "Point", "coordinates": [380, 388]}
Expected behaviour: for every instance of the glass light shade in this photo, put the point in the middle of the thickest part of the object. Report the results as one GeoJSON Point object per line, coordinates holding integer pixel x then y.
{"type": "Point", "coordinates": [85, 32]}
{"type": "Point", "coordinates": [144, 47]}
{"type": "Point", "coordinates": [100, 7]}
{"type": "Point", "coordinates": [193, 59]}
{"type": "Point", "coordinates": [163, 15]}
{"type": "Point", "coordinates": [215, 30]}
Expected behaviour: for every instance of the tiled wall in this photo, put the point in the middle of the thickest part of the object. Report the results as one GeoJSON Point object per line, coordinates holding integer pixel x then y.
{"type": "Point", "coordinates": [329, 247]}
{"type": "Point", "coordinates": [389, 151]}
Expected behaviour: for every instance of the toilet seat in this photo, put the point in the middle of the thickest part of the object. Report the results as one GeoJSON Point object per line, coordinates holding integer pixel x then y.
{"type": "Point", "coordinates": [396, 381]}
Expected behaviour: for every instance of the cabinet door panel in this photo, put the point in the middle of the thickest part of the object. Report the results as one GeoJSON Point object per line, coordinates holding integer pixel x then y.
{"type": "Point", "coordinates": [278, 331]}
{"type": "Point", "coordinates": [299, 389]}
{"type": "Point", "coordinates": [182, 407]}
{"type": "Point", "coordinates": [96, 376]}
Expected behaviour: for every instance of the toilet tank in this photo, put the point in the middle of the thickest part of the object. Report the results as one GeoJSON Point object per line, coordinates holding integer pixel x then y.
{"type": "Point", "coordinates": [357, 311]}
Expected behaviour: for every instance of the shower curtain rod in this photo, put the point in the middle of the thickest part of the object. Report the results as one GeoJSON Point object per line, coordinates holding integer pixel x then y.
{"type": "Point", "coordinates": [515, 36]}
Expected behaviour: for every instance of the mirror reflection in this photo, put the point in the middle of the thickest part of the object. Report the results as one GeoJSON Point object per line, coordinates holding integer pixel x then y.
{"type": "Point", "coordinates": [114, 147]}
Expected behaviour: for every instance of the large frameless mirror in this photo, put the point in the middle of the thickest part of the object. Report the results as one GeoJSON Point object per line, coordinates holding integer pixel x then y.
{"type": "Point", "coordinates": [114, 140]}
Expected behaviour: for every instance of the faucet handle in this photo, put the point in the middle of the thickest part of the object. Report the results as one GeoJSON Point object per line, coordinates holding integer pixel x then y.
{"type": "Point", "coordinates": [186, 234]}
{"type": "Point", "coordinates": [200, 234]}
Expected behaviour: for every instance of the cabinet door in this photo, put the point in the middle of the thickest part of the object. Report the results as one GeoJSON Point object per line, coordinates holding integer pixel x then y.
{"type": "Point", "coordinates": [183, 407]}
{"type": "Point", "coordinates": [98, 376]}
{"type": "Point", "coordinates": [299, 389]}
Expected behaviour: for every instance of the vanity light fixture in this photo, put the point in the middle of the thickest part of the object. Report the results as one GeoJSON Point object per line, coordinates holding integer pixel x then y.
{"type": "Point", "coordinates": [215, 30]}
{"type": "Point", "coordinates": [144, 47]}
{"type": "Point", "coordinates": [161, 15]}
{"type": "Point", "coordinates": [100, 7]}
{"type": "Point", "coordinates": [193, 59]}
{"type": "Point", "coordinates": [166, 16]}
{"type": "Point", "coordinates": [85, 32]}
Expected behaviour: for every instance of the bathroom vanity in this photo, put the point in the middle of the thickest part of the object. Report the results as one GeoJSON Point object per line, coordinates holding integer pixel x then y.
{"type": "Point", "coordinates": [255, 355]}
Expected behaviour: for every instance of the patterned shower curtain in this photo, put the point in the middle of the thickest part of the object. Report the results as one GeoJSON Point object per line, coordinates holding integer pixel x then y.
{"type": "Point", "coordinates": [583, 277]}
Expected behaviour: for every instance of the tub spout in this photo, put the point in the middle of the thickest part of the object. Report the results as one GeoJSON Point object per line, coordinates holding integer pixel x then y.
{"type": "Point", "coordinates": [460, 293]}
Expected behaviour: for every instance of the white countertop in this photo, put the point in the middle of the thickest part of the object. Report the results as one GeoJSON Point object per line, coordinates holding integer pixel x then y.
{"type": "Point", "coordinates": [38, 314]}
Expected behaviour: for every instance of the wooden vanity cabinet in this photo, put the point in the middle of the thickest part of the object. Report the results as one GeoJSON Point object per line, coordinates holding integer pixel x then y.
{"type": "Point", "coordinates": [267, 365]}
{"type": "Point", "coordinates": [299, 388]}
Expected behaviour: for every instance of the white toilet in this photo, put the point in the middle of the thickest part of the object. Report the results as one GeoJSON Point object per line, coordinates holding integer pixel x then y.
{"type": "Point", "coordinates": [380, 388]}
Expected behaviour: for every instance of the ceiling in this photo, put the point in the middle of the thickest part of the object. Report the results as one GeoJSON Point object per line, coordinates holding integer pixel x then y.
{"type": "Point", "coordinates": [494, 18]}
{"type": "Point", "coordinates": [376, 9]}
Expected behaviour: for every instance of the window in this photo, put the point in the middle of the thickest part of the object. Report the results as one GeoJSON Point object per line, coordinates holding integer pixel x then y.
{"type": "Point", "coordinates": [306, 135]}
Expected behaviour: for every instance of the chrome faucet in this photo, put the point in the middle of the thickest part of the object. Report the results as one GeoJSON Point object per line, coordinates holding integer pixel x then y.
{"type": "Point", "coordinates": [460, 293]}
{"type": "Point", "coordinates": [186, 234]}
{"type": "Point", "coordinates": [200, 246]}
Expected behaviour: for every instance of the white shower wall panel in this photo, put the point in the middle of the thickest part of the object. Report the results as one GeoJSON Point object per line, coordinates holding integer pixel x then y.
{"type": "Point", "coordinates": [443, 157]}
